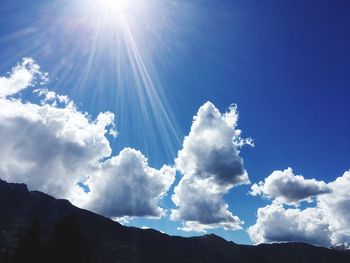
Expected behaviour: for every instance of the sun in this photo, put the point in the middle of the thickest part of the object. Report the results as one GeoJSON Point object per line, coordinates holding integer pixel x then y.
{"type": "Point", "coordinates": [126, 33]}
{"type": "Point", "coordinates": [115, 12]}
{"type": "Point", "coordinates": [115, 7]}
{"type": "Point", "coordinates": [113, 4]}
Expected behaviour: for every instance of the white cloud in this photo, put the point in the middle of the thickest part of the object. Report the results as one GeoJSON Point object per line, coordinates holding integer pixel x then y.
{"type": "Point", "coordinates": [53, 99]}
{"type": "Point", "coordinates": [328, 222]}
{"type": "Point", "coordinates": [211, 166]}
{"type": "Point", "coordinates": [22, 76]}
{"type": "Point", "coordinates": [276, 224]}
{"type": "Point", "coordinates": [336, 208]}
{"type": "Point", "coordinates": [286, 188]}
{"type": "Point", "coordinates": [126, 186]}
{"type": "Point", "coordinates": [52, 146]}
{"type": "Point", "coordinates": [202, 207]}
{"type": "Point", "coordinates": [49, 148]}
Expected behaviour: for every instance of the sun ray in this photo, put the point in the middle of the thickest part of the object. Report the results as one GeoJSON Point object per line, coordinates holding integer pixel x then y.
{"type": "Point", "coordinates": [117, 29]}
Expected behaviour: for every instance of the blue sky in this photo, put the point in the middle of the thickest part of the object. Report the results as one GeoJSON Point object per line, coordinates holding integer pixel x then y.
{"type": "Point", "coordinates": [284, 63]}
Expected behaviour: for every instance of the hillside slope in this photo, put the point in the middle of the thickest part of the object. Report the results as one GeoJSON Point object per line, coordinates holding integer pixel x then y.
{"type": "Point", "coordinates": [108, 241]}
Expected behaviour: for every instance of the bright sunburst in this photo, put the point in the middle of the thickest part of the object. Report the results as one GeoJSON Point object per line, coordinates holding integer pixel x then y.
{"type": "Point", "coordinates": [122, 28]}
{"type": "Point", "coordinates": [113, 9]}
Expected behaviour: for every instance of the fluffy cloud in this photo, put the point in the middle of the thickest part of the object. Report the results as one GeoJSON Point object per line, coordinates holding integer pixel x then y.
{"type": "Point", "coordinates": [22, 76]}
{"type": "Point", "coordinates": [276, 224]}
{"type": "Point", "coordinates": [126, 186]}
{"type": "Point", "coordinates": [286, 188]}
{"type": "Point", "coordinates": [328, 222]}
{"type": "Point", "coordinates": [211, 166]}
{"type": "Point", "coordinates": [202, 206]}
{"type": "Point", "coordinates": [49, 148]}
{"type": "Point", "coordinates": [336, 208]}
{"type": "Point", "coordinates": [52, 146]}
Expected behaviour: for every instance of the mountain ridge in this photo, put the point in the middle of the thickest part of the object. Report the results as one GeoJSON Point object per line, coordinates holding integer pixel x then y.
{"type": "Point", "coordinates": [109, 241]}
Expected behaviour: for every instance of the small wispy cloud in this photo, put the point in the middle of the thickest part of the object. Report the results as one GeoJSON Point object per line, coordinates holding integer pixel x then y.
{"type": "Point", "coordinates": [25, 74]}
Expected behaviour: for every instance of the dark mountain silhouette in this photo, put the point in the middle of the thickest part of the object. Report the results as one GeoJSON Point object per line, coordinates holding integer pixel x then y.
{"type": "Point", "coordinates": [29, 246]}
{"type": "Point", "coordinates": [345, 247]}
{"type": "Point", "coordinates": [67, 243]}
{"type": "Point", "coordinates": [35, 227]}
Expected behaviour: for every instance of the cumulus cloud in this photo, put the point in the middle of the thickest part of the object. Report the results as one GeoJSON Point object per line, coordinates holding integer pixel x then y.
{"type": "Point", "coordinates": [276, 224]}
{"type": "Point", "coordinates": [49, 148]}
{"type": "Point", "coordinates": [210, 164]}
{"type": "Point", "coordinates": [336, 208]}
{"type": "Point", "coordinates": [126, 186]}
{"type": "Point", "coordinates": [52, 146]}
{"type": "Point", "coordinates": [326, 223]}
{"type": "Point", "coordinates": [286, 188]}
{"type": "Point", "coordinates": [202, 207]}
